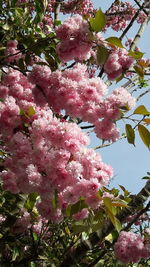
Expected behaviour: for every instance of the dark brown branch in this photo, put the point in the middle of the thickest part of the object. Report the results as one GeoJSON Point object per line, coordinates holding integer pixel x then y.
{"type": "Point", "coordinates": [142, 211]}
{"type": "Point", "coordinates": [130, 24]}
{"type": "Point", "coordinates": [138, 4]}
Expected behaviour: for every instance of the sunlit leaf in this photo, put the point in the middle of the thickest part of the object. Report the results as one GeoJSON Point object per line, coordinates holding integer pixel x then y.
{"type": "Point", "coordinates": [141, 110]}
{"type": "Point", "coordinates": [119, 203]}
{"type": "Point", "coordinates": [115, 41]}
{"type": "Point", "coordinates": [102, 54]}
{"type": "Point", "coordinates": [108, 205]}
{"type": "Point", "coordinates": [30, 202]}
{"type": "Point", "coordinates": [98, 23]}
{"type": "Point", "coordinates": [115, 221]}
{"type": "Point", "coordinates": [144, 134]}
{"type": "Point", "coordinates": [139, 71]}
{"type": "Point", "coordinates": [31, 111]}
{"type": "Point", "coordinates": [136, 54]}
{"type": "Point", "coordinates": [147, 121]}
{"type": "Point", "coordinates": [130, 134]}
{"type": "Point", "coordinates": [15, 253]}
{"type": "Point", "coordinates": [55, 199]}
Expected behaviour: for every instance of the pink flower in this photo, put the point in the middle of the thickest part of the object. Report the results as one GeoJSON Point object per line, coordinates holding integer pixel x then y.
{"type": "Point", "coordinates": [81, 214]}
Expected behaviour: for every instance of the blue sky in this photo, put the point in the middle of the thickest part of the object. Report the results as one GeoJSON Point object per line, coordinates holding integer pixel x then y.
{"type": "Point", "coordinates": [130, 163]}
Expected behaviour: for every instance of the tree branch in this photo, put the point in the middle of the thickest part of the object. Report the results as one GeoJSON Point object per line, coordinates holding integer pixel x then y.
{"type": "Point", "coordinates": [138, 4]}
{"type": "Point", "coordinates": [140, 32]}
{"type": "Point", "coordinates": [130, 24]}
{"type": "Point", "coordinates": [97, 237]}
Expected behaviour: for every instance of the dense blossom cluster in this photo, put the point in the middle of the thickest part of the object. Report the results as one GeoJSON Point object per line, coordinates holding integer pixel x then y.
{"type": "Point", "coordinates": [130, 247]}
{"type": "Point", "coordinates": [12, 53]}
{"type": "Point", "coordinates": [45, 154]}
{"type": "Point", "coordinates": [75, 42]}
{"type": "Point", "coordinates": [118, 62]}
{"type": "Point", "coordinates": [81, 7]}
{"type": "Point", "coordinates": [121, 13]}
{"type": "Point", "coordinates": [83, 97]}
{"type": "Point", "coordinates": [139, 221]}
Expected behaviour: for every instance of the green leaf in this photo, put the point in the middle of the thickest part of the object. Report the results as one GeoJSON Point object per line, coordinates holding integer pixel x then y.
{"type": "Point", "coordinates": [120, 78]}
{"type": "Point", "coordinates": [13, 3]}
{"type": "Point", "coordinates": [108, 205]}
{"type": "Point", "coordinates": [80, 228]}
{"type": "Point", "coordinates": [22, 112]}
{"type": "Point", "coordinates": [27, 58]}
{"type": "Point", "coordinates": [57, 22]}
{"type": "Point", "coordinates": [126, 192]}
{"type": "Point", "coordinates": [144, 134]}
{"type": "Point", "coordinates": [6, 27]}
{"type": "Point", "coordinates": [35, 236]}
{"type": "Point", "coordinates": [31, 111]}
{"type": "Point", "coordinates": [55, 200]}
{"type": "Point", "coordinates": [130, 134]}
{"type": "Point", "coordinates": [21, 64]}
{"type": "Point", "coordinates": [141, 110]}
{"type": "Point", "coordinates": [102, 54]}
{"type": "Point", "coordinates": [30, 202]}
{"type": "Point", "coordinates": [15, 253]}
{"type": "Point", "coordinates": [99, 216]}
{"type": "Point", "coordinates": [115, 41]}
{"type": "Point", "coordinates": [40, 8]}
{"type": "Point", "coordinates": [78, 207]}
{"type": "Point", "coordinates": [99, 22]}
{"type": "Point", "coordinates": [139, 71]}
{"type": "Point", "coordinates": [115, 221]}
{"type": "Point", "coordinates": [136, 54]}
{"type": "Point", "coordinates": [119, 203]}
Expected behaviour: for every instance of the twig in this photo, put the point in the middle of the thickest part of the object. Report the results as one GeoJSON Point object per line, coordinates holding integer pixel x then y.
{"type": "Point", "coordinates": [141, 95]}
{"type": "Point", "coordinates": [142, 211]}
{"type": "Point", "coordinates": [109, 144]}
{"type": "Point", "coordinates": [140, 7]}
{"type": "Point", "coordinates": [131, 22]}
{"type": "Point", "coordinates": [87, 127]}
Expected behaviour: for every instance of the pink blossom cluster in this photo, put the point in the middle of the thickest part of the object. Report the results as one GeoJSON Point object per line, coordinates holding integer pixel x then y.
{"type": "Point", "coordinates": [83, 97]}
{"type": "Point", "coordinates": [82, 7]}
{"type": "Point", "coordinates": [22, 223]}
{"type": "Point", "coordinates": [120, 14]}
{"type": "Point", "coordinates": [130, 247]}
{"type": "Point", "coordinates": [22, 2]}
{"type": "Point", "coordinates": [147, 3]}
{"type": "Point", "coordinates": [118, 62]}
{"type": "Point", "coordinates": [47, 23]}
{"type": "Point", "coordinates": [141, 17]}
{"type": "Point", "coordinates": [25, 222]}
{"type": "Point", "coordinates": [12, 53]}
{"type": "Point", "coordinates": [139, 221]}
{"type": "Point", "coordinates": [44, 154]}
{"type": "Point", "coordinates": [50, 6]}
{"type": "Point", "coordinates": [75, 41]}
